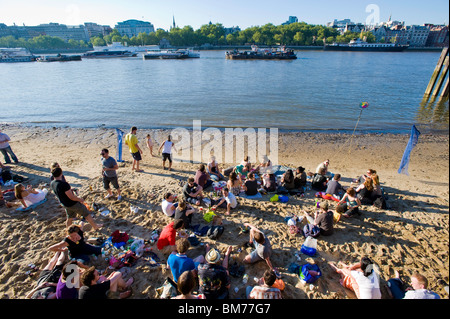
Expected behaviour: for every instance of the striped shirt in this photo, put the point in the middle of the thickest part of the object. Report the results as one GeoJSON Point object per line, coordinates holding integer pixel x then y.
{"type": "Point", "coordinates": [265, 292]}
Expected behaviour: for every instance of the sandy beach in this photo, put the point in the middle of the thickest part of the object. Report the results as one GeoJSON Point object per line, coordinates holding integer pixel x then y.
{"type": "Point", "coordinates": [413, 235]}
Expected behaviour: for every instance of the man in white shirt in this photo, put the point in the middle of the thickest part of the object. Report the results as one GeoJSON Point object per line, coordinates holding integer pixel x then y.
{"type": "Point", "coordinates": [166, 147]}
{"type": "Point", "coordinates": [323, 165]}
{"type": "Point", "coordinates": [228, 201]}
{"type": "Point", "coordinates": [168, 207]}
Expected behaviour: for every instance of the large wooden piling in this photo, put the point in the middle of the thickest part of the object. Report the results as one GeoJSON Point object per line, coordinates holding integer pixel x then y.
{"type": "Point", "coordinates": [442, 65]}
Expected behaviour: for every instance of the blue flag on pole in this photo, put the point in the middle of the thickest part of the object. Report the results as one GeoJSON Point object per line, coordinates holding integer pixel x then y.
{"type": "Point", "coordinates": [119, 145]}
{"type": "Point", "coordinates": [403, 169]}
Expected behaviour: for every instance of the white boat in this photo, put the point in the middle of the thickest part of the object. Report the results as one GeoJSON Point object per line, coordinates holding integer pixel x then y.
{"type": "Point", "coordinates": [117, 46]}
{"type": "Point", "coordinates": [359, 45]}
{"type": "Point", "coordinates": [11, 55]}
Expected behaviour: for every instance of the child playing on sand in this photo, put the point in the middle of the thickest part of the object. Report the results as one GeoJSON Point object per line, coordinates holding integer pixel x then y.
{"type": "Point", "coordinates": [150, 144]}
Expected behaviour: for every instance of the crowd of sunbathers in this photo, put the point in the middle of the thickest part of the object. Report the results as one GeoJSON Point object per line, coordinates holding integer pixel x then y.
{"type": "Point", "coordinates": [70, 275]}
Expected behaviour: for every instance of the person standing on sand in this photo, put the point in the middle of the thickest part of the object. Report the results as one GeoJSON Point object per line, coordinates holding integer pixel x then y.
{"type": "Point", "coordinates": [150, 144]}
{"type": "Point", "coordinates": [132, 142]}
{"type": "Point", "coordinates": [5, 148]}
{"type": "Point", "coordinates": [109, 174]}
{"type": "Point", "coordinates": [167, 152]}
{"type": "Point", "coordinates": [71, 203]}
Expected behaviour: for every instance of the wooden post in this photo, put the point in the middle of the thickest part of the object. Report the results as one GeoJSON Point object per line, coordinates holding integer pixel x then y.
{"type": "Point", "coordinates": [444, 92]}
{"type": "Point", "coordinates": [436, 72]}
{"type": "Point", "coordinates": [441, 78]}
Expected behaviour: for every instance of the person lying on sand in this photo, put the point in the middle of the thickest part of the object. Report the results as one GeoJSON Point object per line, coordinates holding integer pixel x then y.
{"type": "Point", "coordinates": [29, 196]}
{"type": "Point", "coordinates": [47, 281]}
{"type": "Point", "coordinates": [360, 277]}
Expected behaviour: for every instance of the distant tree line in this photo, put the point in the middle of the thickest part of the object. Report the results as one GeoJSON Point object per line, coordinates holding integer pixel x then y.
{"type": "Point", "coordinates": [41, 42]}
{"type": "Point", "coordinates": [300, 33]}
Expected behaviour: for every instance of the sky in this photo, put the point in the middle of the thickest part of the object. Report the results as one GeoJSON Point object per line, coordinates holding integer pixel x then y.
{"type": "Point", "coordinates": [242, 13]}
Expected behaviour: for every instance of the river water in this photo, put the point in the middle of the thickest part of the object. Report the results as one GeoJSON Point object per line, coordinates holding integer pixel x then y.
{"type": "Point", "coordinates": [320, 90]}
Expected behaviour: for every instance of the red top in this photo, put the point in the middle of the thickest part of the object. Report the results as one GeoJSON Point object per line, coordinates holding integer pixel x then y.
{"type": "Point", "coordinates": [167, 237]}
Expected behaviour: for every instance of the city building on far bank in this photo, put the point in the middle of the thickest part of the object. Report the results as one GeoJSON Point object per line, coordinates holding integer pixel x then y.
{"type": "Point", "coordinates": [96, 30]}
{"type": "Point", "coordinates": [132, 28]}
{"type": "Point", "coordinates": [438, 36]}
{"type": "Point", "coordinates": [292, 19]}
{"type": "Point", "coordinates": [61, 31]}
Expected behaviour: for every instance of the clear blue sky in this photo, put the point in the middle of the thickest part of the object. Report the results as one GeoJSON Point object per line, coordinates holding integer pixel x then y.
{"type": "Point", "coordinates": [242, 13]}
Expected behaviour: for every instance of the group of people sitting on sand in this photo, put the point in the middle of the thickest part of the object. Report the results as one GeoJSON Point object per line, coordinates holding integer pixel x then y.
{"type": "Point", "coordinates": [70, 274]}
{"type": "Point", "coordinates": [212, 270]}
{"type": "Point", "coordinates": [362, 277]}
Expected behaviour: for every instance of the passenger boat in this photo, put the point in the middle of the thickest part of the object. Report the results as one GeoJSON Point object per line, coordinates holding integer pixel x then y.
{"type": "Point", "coordinates": [59, 58]}
{"type": "Point", "coordinates": [171, 54]}
{"type": "Point", "coordinates": [106, 53]}
{"type": "Point", "coordinates": [12, 55]}
{"type": "Point", "coordinates": [256, 53]}
{"type": "Point", "coordinates": [359, 45]}
{"type": "Point", "coordinates": [117, 46]}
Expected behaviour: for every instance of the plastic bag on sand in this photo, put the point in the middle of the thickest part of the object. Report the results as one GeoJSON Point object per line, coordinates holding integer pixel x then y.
{"type": "Point", "coordinates": [309, 247]}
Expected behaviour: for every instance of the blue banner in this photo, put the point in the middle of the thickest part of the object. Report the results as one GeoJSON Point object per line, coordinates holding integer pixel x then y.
{"type": "Point", "coordinates": [403, 169]}
{"type": "Point", "coordinates": [119, 145]}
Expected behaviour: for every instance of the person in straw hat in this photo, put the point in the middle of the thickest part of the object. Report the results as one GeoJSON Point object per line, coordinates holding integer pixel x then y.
{"type": "Point", "coordinates": [214, 279]}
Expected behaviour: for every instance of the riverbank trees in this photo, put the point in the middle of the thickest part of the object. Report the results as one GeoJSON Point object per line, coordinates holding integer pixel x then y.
{"type": "Point", "coordinates": [295, 34]}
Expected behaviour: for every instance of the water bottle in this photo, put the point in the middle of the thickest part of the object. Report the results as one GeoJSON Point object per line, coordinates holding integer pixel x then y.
{"type": "Point", "coordinates": [245, 279]}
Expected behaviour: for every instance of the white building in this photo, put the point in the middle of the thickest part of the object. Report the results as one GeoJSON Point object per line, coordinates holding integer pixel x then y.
{"type": "Point", "coordinates": [417, 35]}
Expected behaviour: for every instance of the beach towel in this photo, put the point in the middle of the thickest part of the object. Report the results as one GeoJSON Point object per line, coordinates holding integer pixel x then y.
{"type": "Point", "coordinates": [257, 196]}
{"type": "Point", "coordinates": [326, 196]}
{"type": "Point", "coordinates": [281, 169]}
{"type": "Point", "coordinates": [119, 145]}
{"type": "Point", "coordinates": [31, 207]}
